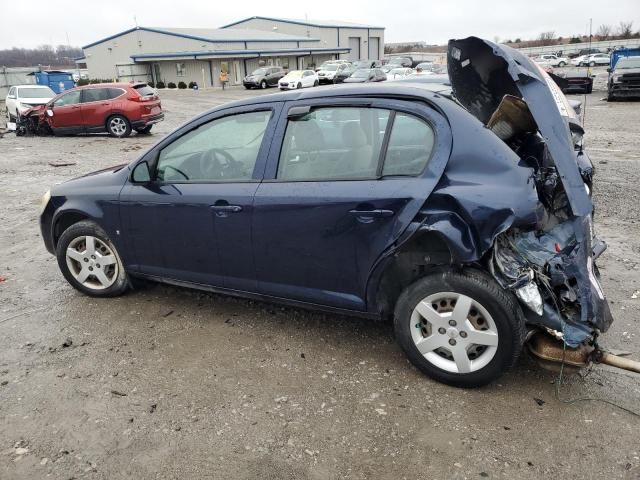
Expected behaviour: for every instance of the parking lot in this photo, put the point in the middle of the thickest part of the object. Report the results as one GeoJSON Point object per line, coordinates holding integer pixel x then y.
{"type": "Point", "coordinates": [173, 383]}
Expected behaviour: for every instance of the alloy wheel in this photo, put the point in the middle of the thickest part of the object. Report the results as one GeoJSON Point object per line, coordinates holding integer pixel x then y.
{"type": "Point", "coordinates": [454, 332]}
{"type": "Point", "coordinates": [92, 262]}
{"type": "Point", "coordinates": [118, 126]}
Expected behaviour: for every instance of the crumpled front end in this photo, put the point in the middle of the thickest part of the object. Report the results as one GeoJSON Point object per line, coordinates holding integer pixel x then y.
{"type": "Point", "coordinates": [550, 265]}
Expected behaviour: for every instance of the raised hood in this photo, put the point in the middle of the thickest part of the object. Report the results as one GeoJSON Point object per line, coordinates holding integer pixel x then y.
{"type": "Point", "coordinates": [522, 105]}
{"type": "Point", "coordinates": [482, 73]}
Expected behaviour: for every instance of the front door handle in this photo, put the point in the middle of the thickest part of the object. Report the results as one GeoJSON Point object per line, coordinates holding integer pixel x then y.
{"type": "Point", "coordinates": [222, 209]}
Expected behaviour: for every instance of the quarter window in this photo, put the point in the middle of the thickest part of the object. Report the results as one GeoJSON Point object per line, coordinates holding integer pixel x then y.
{"type": "Point", "coordinates": [410, 146]}
{"type": "Point", "coordinates": [333, 143]}
{"type": "Point", "coordinates": [223, 150]}
{"type": "Point", "coordinates": [70, 98]}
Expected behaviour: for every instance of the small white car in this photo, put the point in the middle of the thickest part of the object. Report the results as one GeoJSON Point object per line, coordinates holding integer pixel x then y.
{"type": "Point", "coordinates": [22, 97]}
{"type": "Point", "coordinates": [399, 73]}
{"type": "Point", "coordinates": [551, 60]}
{"type": "Point", "coordinates": [597, 59]}
{"type": "Point", "coordinates": [328, 71]}
{"type": "Point", "coordinates": [298, 79]}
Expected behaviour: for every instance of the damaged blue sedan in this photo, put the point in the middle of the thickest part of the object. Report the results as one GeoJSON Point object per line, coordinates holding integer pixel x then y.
{"type": "Point", "coordinates": [463, 214]}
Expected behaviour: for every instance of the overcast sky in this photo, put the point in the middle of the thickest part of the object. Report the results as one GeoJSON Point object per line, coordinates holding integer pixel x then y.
{"type": "Point", "coordinates": [28, 23]}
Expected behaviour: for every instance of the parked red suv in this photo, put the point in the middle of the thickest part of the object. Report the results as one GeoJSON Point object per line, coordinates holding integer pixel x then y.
{"type": "Point", "coordinates": [116, 108]}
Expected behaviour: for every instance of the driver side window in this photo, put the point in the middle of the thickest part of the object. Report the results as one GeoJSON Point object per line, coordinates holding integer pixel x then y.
{"type": "Point", "coordinates": [70, 98]}
{"type": "Point", "coordinates": [223, 150]}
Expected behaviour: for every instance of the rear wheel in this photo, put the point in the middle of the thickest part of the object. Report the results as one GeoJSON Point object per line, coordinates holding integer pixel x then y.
{"type": "Point", "coordinates": [461, 329]}
{"type": "Point", "coordinates": [90, 262]}
{"type": "Point", "coordinates": [118, 126]}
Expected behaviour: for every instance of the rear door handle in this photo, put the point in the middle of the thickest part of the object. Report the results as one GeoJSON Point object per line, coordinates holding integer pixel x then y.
{"type": "Point", "coordinates": [369, 216]}
{"type": "Point", "coordinates": [372, 213]}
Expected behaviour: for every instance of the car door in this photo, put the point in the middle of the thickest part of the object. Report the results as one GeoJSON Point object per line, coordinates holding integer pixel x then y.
{"type": "Point", "coordinates": [11, 101]}
{"type": "Point", "coordinates": [192, 221]}
{"type": "Point", "coordinates": [96, 106]}
{"type": "Point", "coordinates": [331, 202]}
{"type": "Point", "coordinates": [67, 113]}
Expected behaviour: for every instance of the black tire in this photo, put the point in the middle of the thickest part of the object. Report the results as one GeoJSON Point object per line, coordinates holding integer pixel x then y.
{"type": "Point", "coordinates": [117, 131]}
{"type": "Point", "coordinates": [562, 64]}
{"type": "Point", "coordinates": [592, 64]}
{"type": "Point", "coordinates": [501, 306]}
{"type": "Point", "coordinates": [83, 229]}
{"type": "Point", "coordinates": [316, 83]}
{"type": "Point", "coordinates": [247, 87]}
{"type": "Point", "coordinates": [144, 131]}
{"type": "Point", "coordinates": [263, 84]}
{"type": "Point", "coordinates": [299, 85]}
{"type": "Point", "coordinates": [590, 89]}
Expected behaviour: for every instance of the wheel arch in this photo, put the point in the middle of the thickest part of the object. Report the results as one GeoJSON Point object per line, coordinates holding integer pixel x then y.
{"type": "Point", "coordinates": [64, 220]}
{"type": "Point", "coordinates": [425, 252]}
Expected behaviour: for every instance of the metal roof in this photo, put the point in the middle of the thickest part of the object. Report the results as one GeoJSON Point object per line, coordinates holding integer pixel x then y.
{"type": "Point", "coordinates": [214, 35]}
{"type": "Point", "coordinates": [310, 23]}
{"type": "Point", "coordinates": [235, 53]}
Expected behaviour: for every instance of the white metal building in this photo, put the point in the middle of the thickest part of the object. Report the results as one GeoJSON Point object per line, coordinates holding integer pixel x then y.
{"type": "Point", "coordinates": [199, 55]}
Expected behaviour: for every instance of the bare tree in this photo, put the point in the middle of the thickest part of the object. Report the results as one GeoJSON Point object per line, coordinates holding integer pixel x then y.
{"type": "Point", "coordinates": [603, 32]}
{"type": "Point", "coordinates": [625, 29]}
{"type": "Point", "coordinates": [546, 36]}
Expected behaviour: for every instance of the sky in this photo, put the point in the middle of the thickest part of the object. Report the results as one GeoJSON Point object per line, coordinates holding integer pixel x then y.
{"type": "Point", "coordinates": [28, 23]}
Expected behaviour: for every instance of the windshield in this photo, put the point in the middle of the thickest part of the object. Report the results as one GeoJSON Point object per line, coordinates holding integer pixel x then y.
{"type": "Point", "coordinates": [331, 68]}
{"type": "Point", "coordinates": [398, 71]}
{"type": "Point", "coordinates": [31, 92]}
{"type": "Point", "coordinates": [362, 73]}
{"type": "Point", "coordinates": [397, 61]}
{"type": "Point", "coordinates": [628, 62]}
{"type": "Point", "coordinates": [294, 74]}
{"type": "Point", "coordinates": [260, 71]}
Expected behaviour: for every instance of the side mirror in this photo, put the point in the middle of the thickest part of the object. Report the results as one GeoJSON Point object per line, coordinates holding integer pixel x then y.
{"type": "Point", "coordinates": [609, 69]}
{"type": "Point", "coordinates": [12, 97]}
{"type": "Point", "coordinates": [49, 110]}
{"type": "Point", "coordinates": [141, 173]}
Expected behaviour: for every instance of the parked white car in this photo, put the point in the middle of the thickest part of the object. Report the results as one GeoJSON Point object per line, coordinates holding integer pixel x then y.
{"type": "Point", "coordinates": [22, 97]}
{"type": "Point", "coordinates": [328, 71]}
{"type": "Point", "coordinates": [597, 59]}
{"type": "Point", "coordinates": [551, 60]}
{"type": "Point", "coordinates": [399, 73]}
{"type": "Point", "coordinates": [298, 79]}
{"type": "Point", "coordinates": [579, 61]}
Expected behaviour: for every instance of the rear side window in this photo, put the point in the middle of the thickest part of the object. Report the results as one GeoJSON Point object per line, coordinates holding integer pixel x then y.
{"type": "Point", "coordinates": [95, 95]}
{"type": "Point", "coordinates": [410, 146]}
{"type": "Point", "coordinates": [333, 143]}
{"type": "Point", "coordinates": [144, 90]}
{"type": "Point", "coordinates": [114, 93]}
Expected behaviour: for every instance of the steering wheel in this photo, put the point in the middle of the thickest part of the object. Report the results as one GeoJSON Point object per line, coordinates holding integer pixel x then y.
{"type": "Point", "coordinates": [186, 177]}
{"type": "Point", "coordinates": [218, 163]}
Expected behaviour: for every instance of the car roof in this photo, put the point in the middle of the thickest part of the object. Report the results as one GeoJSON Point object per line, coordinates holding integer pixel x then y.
{"type": "Point", "coordinates": [31, 86]}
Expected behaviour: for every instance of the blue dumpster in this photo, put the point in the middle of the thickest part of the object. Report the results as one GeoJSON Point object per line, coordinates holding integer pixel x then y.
{"type": "Point", "coordinates": [54, 79]}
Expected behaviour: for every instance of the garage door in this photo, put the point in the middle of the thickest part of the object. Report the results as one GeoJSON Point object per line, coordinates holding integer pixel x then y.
{"type": "Point", "coordinates": [354, 45]}
{"type": "Point", "coordinates": [374, 48]}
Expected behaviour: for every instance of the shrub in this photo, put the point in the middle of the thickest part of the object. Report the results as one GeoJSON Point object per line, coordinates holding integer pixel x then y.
{"type": "Point", "coordinates": [93, 81]}
{"type": "Point", "coordinates": [160, 84]}
{"type": "Point", "coordinates": [182, 85]}
{"type": "Point", "coordinates": [82, 82]}
{"type": "Point", "coordinates": [192, 84]}
{"type": "Point", "coordinates": [171, 85]}
{"type": "Point", "coordinates": [151, 84]}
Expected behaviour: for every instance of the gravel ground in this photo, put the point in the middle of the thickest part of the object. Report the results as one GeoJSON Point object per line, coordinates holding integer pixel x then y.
{"type": "Point", "coordinates": [170, 383]}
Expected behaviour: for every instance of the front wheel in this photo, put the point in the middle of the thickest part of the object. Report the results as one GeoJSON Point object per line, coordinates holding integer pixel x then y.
{"type": "Point", "coordinates": [118, 126]}
{"type": "Point", "coordinates": [562, 64]}
{"type": "Point", "coordinates": [461, 329]}
{"type": "Point", "coordinates": [592, 64]}
{"type": "Point", "coordinates": [299, 85]}
{"type": "Point", "coordinates": [263, 84]}
{"type": "Point", "coordinates": [316, 83]}
{"type": "Point", "coordinates": [90, 262]}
